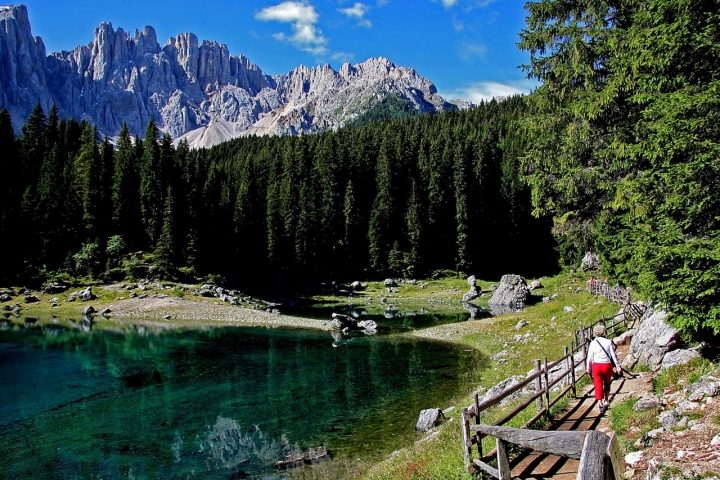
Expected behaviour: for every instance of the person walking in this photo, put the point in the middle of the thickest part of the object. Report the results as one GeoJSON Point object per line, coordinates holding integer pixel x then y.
{"type": "Point", "coordinates": [601, 360]}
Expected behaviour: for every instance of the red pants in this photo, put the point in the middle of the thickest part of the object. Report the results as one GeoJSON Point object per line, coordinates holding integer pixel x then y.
{"type": "Point", "coordinates": [602, 376]}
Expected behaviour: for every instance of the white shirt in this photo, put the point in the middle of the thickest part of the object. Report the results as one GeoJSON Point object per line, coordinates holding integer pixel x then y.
{"type": "Point", "coordinates": [596, 354]}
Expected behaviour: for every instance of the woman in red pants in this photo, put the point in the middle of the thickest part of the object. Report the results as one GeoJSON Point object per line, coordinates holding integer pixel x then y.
{"type": "Point", "coordinates": [601, 360]}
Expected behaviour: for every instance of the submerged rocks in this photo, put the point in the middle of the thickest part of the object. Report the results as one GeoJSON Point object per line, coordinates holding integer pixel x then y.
{"type": "Point", "coordinates": [512, 292]}
{"type": "Point", "coordinates": [348, 323]}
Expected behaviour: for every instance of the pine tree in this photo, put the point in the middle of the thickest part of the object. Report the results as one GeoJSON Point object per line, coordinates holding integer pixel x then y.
{"type": "Point", "coordinates": [126, 190]}
{"type": "Point", "coordinates": [151, 195]}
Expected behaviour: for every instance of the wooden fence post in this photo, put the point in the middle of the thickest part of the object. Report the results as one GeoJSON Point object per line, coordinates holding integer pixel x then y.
{"type": "Point", "coordinates": [566, 382]}
{"type": "Point", "coordinates": [467, 441]}
{"type": "Point", "coordinates": [538, 386]}
{"type": "Point", "coordinates": [478, 435]}
{"type": "Point", "coordinates": [502, 461]}
{"type": "Point", "coordinates": [547, 387]}
{"type": "Point", "coordinates": [572, 368]}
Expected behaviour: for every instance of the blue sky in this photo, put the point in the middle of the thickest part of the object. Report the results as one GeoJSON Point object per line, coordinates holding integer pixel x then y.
{"type": "Point", "coordinates": [466, 47]}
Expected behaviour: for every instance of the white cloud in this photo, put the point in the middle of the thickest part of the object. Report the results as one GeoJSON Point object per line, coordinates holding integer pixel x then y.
{"type": "Point", "coordinates": [342, 57]}
{"type": "Point", "coordinates": [302, 17]}
{"type": "Point", "coordinates": [472, 51]}
{"type": "Point", "coordinates": [457, 24]}
{"type": "Point", "coordinates": [448, 3]}
{"type": "Point", "coordinates": [479, 91]}
{"type": "Point", "coordinates": [358, 12]}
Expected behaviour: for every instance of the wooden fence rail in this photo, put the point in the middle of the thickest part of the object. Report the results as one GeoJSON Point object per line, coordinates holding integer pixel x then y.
{"type": "Point", "coordinates": [616, 294]}
{"type": "Point", "coordinates": [543, 398]}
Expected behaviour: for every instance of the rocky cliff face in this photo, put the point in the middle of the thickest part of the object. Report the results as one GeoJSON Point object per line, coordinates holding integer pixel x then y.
{"type": "Point", "coordinates": [194, 90]}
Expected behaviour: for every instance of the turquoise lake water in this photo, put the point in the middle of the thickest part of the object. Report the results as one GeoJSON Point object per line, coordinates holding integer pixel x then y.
{"type": "Point", "coordinates": [120, 400]}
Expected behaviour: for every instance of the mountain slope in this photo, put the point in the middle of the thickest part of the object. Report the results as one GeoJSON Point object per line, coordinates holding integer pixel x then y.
{"type": "Point", "coordinates": [194, 90]}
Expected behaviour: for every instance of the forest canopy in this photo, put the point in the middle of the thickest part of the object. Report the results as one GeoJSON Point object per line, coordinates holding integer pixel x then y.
{"type": "Point", "coordinates": [624, 142]}
{"type": "Point", "coordinates": [401, 197]}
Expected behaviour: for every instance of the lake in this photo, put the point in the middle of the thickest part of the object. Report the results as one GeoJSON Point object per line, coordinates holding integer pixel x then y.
{"type": "Point", "coordinates": [117, 399]}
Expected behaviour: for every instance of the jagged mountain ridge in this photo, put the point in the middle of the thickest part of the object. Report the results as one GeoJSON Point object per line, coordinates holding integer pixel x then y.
{"type": "Point", "coordinates": [194, 90]}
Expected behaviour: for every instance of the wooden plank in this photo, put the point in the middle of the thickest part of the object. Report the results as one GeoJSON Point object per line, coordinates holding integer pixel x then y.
{"type": "Point", "coordinates": [617, 460]}
{"type": "Point", "coordinates": [564, 443]}
{"type": "Point", "coordinates": [594, 456]}
{"type": "Point", "coordinates": [502, 461]}
{"type": "Point", "coordinates": [484, 466]}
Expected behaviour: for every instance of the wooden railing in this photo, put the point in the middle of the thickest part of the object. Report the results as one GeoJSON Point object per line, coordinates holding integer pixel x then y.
{"type": "Point", "coordinates": [543, 398]}
{"type": "Point", "coordinates": [617, 294]}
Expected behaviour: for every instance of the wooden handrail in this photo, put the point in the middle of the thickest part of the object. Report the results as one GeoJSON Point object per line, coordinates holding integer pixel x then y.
{"type": "Point", "coordinates": [473, 434]}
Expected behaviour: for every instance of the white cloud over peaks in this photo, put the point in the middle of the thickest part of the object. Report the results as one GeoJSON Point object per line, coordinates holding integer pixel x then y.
{"type": "Point", "coordinates": [302, 17]}
{"type": "Point", "coordinates": [358, 12]}
{"type": "Point", "coordinates": [479, 91]}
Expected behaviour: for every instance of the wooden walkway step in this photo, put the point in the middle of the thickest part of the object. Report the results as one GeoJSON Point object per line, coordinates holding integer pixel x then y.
{"type": "Point", "coordinates": [581, 414]}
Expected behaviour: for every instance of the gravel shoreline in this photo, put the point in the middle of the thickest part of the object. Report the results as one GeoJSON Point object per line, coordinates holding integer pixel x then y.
{"type": "Point", "coordinates": [179, 309]}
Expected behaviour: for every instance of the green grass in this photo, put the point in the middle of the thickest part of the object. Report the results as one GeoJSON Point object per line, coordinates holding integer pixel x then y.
{"type": "Point", "coordinates": [443, 457]}
{"type": "Point", "coordinates": [683, 375]}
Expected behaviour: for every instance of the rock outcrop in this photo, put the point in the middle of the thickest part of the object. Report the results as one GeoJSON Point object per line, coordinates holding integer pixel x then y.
{"type": "Point", "coordinates": [653, 339]}
{"type": "Point", "coordinates": [512, 292]}
{"type": "Point", "coordinates": [194, 89]}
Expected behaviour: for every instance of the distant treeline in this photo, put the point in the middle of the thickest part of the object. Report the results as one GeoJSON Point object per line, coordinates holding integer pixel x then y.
{"type": "Point", "coordinates": [400, 197]}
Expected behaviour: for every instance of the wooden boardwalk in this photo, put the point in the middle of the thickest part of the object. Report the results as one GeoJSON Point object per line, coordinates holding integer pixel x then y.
{"type": "Point", "coordinates": [582, 415]}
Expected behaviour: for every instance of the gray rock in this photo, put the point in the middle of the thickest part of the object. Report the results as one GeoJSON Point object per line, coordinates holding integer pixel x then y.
{"type": "Point", "coordinates": [682, 422]}
{"type": "Point", "coordinates": [678, 357]}
{"type": "Point", "coordinates": [653, 339]}
{"type": "Point", "coordinates": [448, 410]}
{"type": "Point", "coordinates": [668, 418]}
{"type": "Point", "coordinates": [520, 324]}
{"type": "Point", "coordinates": [624, 338]}
{"type": "Point", "coordinates": [55, 287]}
{"type": "Point", "coordinates": [429, 419]}
{"type": "Point", "coordinates": [54, 300]}
{"type": "Point", "coordinates": [357, 286]}
{"type": "Point", "coordinates": [5, 297]}
{"type": "Point", "coordinates": [389, 282]}
{"type": "Point", "coordinates": [646, 403]}
{"type": "Point", "coordinates": [546, 300]}
{"type": "Point", "coordinates": [512, 292]}
{"type": "Point", "coordinates": [105, 311]}
{"type": "Point", "coordinates": [89, 310]}
{"type": "Point", "coordinates": [472, 281]}
{"type": "Point", "coordinates": [368, 326]}
{"type": "Point", "coordinates": [655, 433]}
{"type": "Point", "coordinates": [534, 285]}
{"type": "Point", "coordinates": [590, 261]}
{"type": "Point", "coordinates": [340, 322]}
{"type": "Point", "coordinates": [31, 299]}
{"type": "Point", "coordinates": [567, 309]}
{"type": "Point", "coordinates": [471, 295]}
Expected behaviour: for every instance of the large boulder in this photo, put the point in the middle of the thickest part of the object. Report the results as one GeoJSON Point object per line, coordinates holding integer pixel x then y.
{"type": "Point", "coordinates": [653, 339]}
{"type": "Point", "coordinates": [341, 322]}
{"type": "Point", "coordinates": [512, 292]}
{"type": "Point", "coordinates": [590, 261]}
{"type": "Point", "coordinates": [504, 385]}
{"type": "Point", "coordinates": [4, 297]}
{"type": "Point", "coordinates": [429, 418]}
{"type": "Point", "coordinates": [678, 357]}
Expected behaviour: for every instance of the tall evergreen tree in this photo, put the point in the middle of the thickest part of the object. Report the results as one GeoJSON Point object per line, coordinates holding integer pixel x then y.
{"type": "Point", "coordinates": [151, 194]}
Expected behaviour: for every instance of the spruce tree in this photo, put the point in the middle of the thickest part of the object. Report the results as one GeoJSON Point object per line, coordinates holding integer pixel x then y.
{"type": "Point", "coordinates": [151, 195]}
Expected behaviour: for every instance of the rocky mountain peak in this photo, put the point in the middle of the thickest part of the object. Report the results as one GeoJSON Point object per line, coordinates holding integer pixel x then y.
{"type": "Point", "coordinates": [193, 89]}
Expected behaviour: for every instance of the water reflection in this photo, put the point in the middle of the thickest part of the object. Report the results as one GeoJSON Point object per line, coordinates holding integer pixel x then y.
{"type": "Point", "coordinates": [166, 401]}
